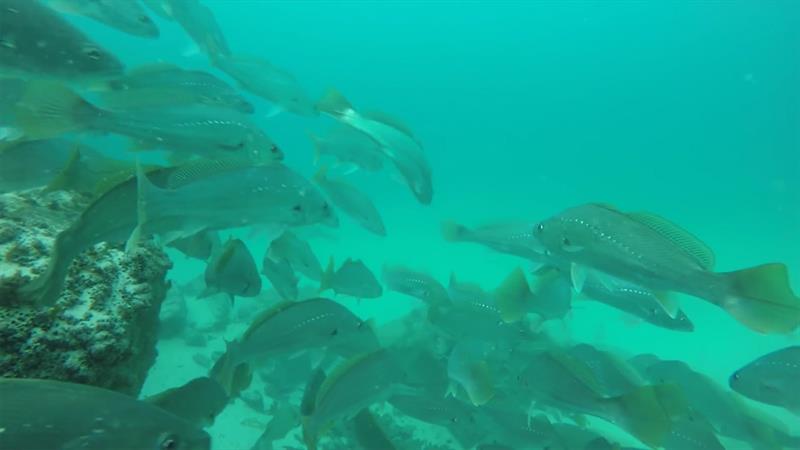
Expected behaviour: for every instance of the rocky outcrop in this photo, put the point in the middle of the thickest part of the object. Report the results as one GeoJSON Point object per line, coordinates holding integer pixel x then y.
{"type": "Point", "coordinates": [103, 328]}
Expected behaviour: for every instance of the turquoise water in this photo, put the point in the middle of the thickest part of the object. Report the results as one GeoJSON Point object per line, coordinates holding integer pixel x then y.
{"type": "Point", "coordinates": [687, 109]}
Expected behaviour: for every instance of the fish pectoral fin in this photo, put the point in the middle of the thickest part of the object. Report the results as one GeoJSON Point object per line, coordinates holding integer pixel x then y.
{"type": "Point", "coordinates": [666, 300]}
{"type": "Point", "coordinates": [577, 274]}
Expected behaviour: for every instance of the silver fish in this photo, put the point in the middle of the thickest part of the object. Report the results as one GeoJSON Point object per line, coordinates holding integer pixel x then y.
{"type": "Point", "coordinates": [49, 109]}
{"type": "Point", "coordinates": [771, 379]}
{"type": "Point", "coordinates": [415, 284]}
{"type": "Point", "coordinates": [281, 276]}
{"type": "Point", "coordinates": [298, 253]}
{"type": "Point", "coordinates": [650, 252]}
{"type": "Point", "coordinates": [46, 414]}
{"type": "Point", "coordinates": [353, 278]}
{"type": "Point", "coordinates": [198, 402]}
{"type": "Point", "coordinates": [348, 146]}
{"type": "Point", "coordinates": [232, 270]}
{"type": "Point", "coordinates": [352, 202]}
{"type": "Point", "coordinates": [261, 78]}
{"type": "Point", "coordinates": [200, 24]}
{"type": "Point", "coordinates": [397, 143]}
{"type": "Point", "coordinates": [513, 238]}
{"type": "Point", "coordinates": [36, 42]}
{"type": "Point", "coordinates": [125, 16]}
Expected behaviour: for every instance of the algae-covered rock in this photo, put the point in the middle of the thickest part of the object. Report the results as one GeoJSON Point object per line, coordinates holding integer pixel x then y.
{"type": "Point", "coordinates": [103, 328]}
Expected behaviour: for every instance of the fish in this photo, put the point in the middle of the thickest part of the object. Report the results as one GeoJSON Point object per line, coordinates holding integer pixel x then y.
{"type": "Point", "coordinates": [513, 238]}
{"type": "Point", "coordinates": [30, 164]}
{"type": "Point", "coordinates": [198, 402]}
{"type": "Point", "coordinates": [728, 415]}
{"type": "Point", "coordinates": [308, 402]}
{"type": "Point", "coordinates": [298, 253]}
{"type": "Point", "coordinates": [353, 385]}
{"type": "Point", "coordinates": [513, 296]}
{"type": "Point", "coordinates": [348, 146]}
{"type": "Point", "coordinates": [771, 379]}
{"type": "Point", "coordinates": [565, 381]}
{"type": "Point", "coordinates": [353, 278]}
{"type": "Point", "coordinates": [396, 142]}
{"type": "Point", "coordinates": [209, 195]}
{"type": "Point", "coordinates": [48, 414]}
{"type": "Point", "coordinates": [35, 42]}
{"type": "Point", "coordinates": [49, 109]}
{"type": "Point", "coordinates": [200, 24]}
{"type": "Point", "coordinates": [415, 284]}
{"type": "Point", "coordinates": [164, 84]}
{"type": "Point", "coordinates": [128, 17]}
{"type": "Point", "coordinates": [629, 298]}
{"type": "Point", "coordinates": [178, 202]}
{"type": "Point", "coordinates": [284, 419]}
{"type": "Point", "coordinates": [200, 245]}
{"type": "Point", "coordinates": [351, 201]}
{"type": "Point", "coordinates": [232, 271]}
{"type": "Point", "coordinates": [448, 412]}
{"type": "Point", "coordinates": [369, 433]}
{"type": "Point", "coordinates": [657, 255]}
{"type": "Point", "coordinates": [258, 76]}
{"type": "Point", "coordinates": [468, 367]}
{"type": "Point", "coordinates": [292, 326]}
{"type": "Point", "coordinates": [518, 429]}
{"type": "Point", "coordinates": [162, 8]}
{"type": "Point", "coordinates": [281, 276]}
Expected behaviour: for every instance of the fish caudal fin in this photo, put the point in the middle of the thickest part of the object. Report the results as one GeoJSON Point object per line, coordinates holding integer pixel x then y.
{"type": "Point", "coordinates": [326, 281]}
{"type": "Point", "coordinates": [333, 103]}
{"type": "Point", "coordinates": [233, 376]}
{"type": "Point", "coordinates": [49, 109]}
{"type": "Point", "coordinates": [643, 415]}
{"type": "Point", "coordinates": [479, 387]}
{"type": "Point", "coordinates": [452, 231]}
{"type": "Point", "coordinates": [762, 299]}
{"type": "Point", "coordinates": [513, 296]}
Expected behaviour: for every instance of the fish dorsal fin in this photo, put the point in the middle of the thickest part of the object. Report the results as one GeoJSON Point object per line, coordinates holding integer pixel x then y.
{"type": "Point", "coordinates": [265, 316]}
{"type": "Point", "coordinates": [202, 168]}
{"type": "Point", "coordinates": [147, 69]}
{"type": "Point", "coordinates": [382, 117]}
{"type": "Point", "coordinates": [693, 246]}
{"type": "Point", "coordinates": [340, 371]}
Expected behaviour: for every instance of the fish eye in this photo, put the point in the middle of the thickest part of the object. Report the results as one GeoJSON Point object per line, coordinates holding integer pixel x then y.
{"type": "Point", "coordinates": [169, 442]}
{"type": "Point", "coordinates": [297, 208]}
{"type": "Point", "coordinates": [334, 332]}
{"type": "Point", "coordinates": [144, 19]}
{"type": "Point", "coordinates": [539, 228]}
{"type": "Point", "coordinates": [736, 376]}
{"type": "Point", "coordinates": [566, 241]}
{"type": "Point", "coordinates": [92, 53]}
{"type": "Point", "coordinates": [274, 149]}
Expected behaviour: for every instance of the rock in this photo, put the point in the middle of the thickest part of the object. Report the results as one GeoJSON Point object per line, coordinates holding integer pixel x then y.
{"type": "Point", "coordinates": [103, 328]}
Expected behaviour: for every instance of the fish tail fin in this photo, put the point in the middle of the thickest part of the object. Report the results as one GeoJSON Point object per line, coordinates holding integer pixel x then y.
{"type": "Point", "coordinates": [480, 389]}
{"type": "Point", "coordinates": [326, 281]}
{"type": "Point", "coordinates": [232, 375]}
{"type": "Point", "coordinates": [333, 103]}
{"type": "Point", "coordinates": [512, 296]}
{"type": "Point", "coordinates": [762, 299]}
{"type": "Point", "coordinates": [452, 231]}
{"type": "Point", "coordinates": [45, 288]}
{"type": "Point", "coordinates": [644, 416]}
{"type": "Point", "coordinates": [65, 178]}
{"type": "Point", "coordinates": [48, 109]}
{"type": "Point", "coordinates": [309, 435]}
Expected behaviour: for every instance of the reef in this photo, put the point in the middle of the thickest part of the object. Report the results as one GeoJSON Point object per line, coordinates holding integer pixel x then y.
{"type": "Point", "coordinates": [103, 328]}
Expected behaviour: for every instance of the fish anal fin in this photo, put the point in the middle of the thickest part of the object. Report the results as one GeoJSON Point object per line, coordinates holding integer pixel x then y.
{"type": "Point", "coordinates": [578, 275]}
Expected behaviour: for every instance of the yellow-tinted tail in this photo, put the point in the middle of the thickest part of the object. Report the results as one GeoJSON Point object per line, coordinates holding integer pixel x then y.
{"type": "Point", "coordinates": [762, 299]}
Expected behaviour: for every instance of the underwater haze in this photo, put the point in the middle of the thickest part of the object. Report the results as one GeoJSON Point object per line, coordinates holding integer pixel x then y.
{"type": "Point", "coordinates": [522, 117]}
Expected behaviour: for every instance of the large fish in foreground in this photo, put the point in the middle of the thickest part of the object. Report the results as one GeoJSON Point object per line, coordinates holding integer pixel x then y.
{"type": "Point", "coordinates": [395, 140]}
{"type": "Point", "coordinates": [232, 270]}
{"type": "Point", "coordinates": [49, 109]}
{"type": "Point", "coordinates": [46, 414]}
{"type": "Point", "coordinates": [352, 201]}
{"type": "Point", "coordinates": [126, 16]}
{"type": "Point", "coordinates": [772, 379]}
{"type": "Point", "coordinates": [175, 203]}
{"type": "Point", "coordinates": [36, 42]}
{"type": "Point", "coordinates": [657, 255]}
